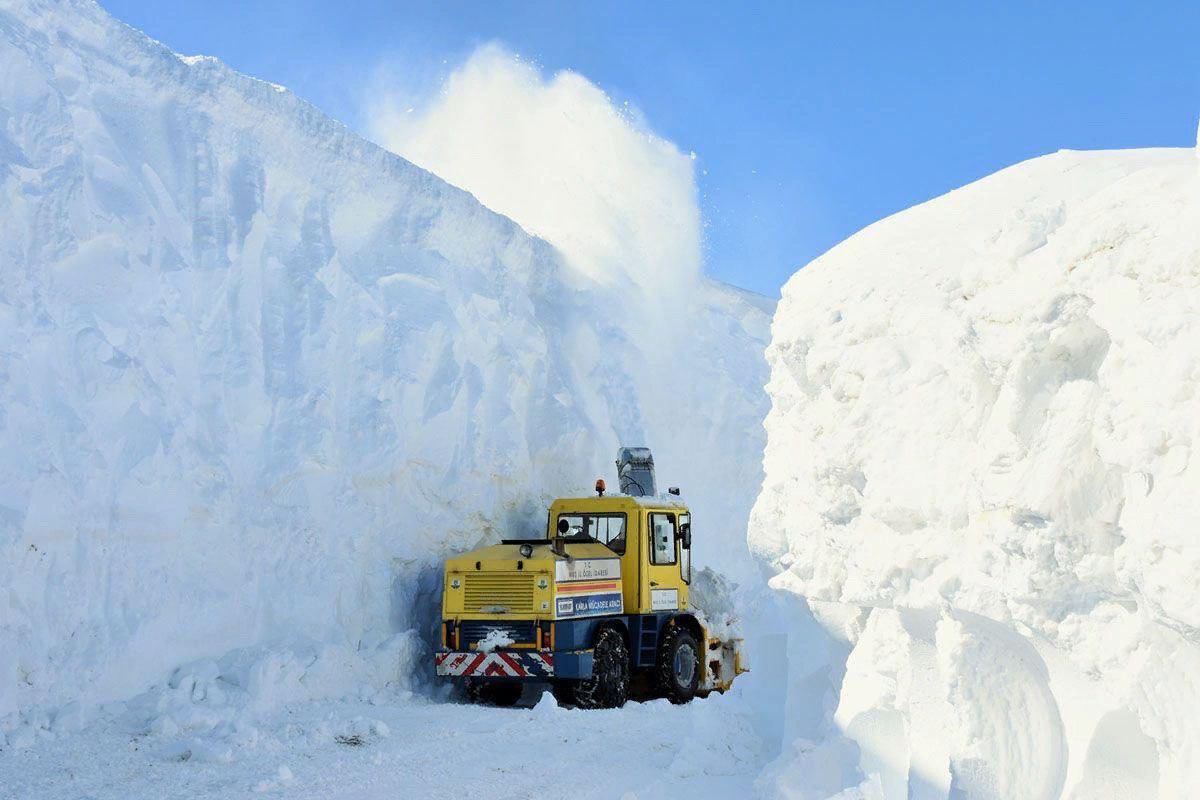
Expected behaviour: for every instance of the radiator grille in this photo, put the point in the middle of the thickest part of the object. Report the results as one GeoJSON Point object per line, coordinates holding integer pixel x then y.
{"type": "Point", "coordinates": [511, 591]}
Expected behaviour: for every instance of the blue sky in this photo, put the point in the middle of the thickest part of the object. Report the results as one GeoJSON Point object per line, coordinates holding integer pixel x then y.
{"type": "Point", "coordinates": [810, 121]}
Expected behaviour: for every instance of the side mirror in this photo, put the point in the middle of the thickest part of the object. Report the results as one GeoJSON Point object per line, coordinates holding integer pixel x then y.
{"type": "Point", "coordinates": [563, 526]}
{"type": "Point", "coordinates": [685, 535]}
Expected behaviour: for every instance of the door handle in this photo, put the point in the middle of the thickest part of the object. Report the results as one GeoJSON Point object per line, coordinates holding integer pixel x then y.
{"type": "Point", "coordinates": [654, 583]}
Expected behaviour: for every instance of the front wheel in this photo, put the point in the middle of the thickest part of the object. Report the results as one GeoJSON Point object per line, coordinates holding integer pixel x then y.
{"type": "Point", "coordinates": [609, 685]}
{"type": "Point", "coordinates": [678, 665]}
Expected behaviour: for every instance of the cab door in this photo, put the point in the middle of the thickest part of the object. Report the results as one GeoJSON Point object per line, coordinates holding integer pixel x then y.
{"type": "Point", "coordinates": [663, 589]}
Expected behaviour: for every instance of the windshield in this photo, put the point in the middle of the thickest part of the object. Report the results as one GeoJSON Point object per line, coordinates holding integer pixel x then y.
{"type": "Point", "coordinates": [608, 529]}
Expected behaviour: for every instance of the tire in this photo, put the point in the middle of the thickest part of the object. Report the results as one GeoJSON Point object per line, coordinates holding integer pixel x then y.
{"type": "Point", "coordinates": [609, 685]}
{"type": "Point", "coordinates": [678, 665]}
{"type": "Point", "coordinates": [494, 693]}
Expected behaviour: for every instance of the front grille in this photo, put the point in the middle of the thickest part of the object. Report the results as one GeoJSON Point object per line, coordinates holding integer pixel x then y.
{"type": "Point", "coordinates": [474, 631]}
{"type": "Point", "coordinates": [498, 592]}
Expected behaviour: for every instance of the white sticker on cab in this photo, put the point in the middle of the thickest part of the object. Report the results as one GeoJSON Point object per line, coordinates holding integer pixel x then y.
{"type": "Point", "coordinates": [587, 569]}
{"type": "Point", "coordinates": [664, 599]}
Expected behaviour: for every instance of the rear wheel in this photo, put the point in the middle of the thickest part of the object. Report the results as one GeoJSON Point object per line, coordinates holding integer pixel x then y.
{"type": "Point", "coordinates": [678, 665]}
{"type": "Point", "coordinates": [494, 693]}
{"type": "Point", "coordinates": [609, 685]}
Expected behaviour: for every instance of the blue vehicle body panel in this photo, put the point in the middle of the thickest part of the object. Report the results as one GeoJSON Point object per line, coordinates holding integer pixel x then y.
{"type": "Point", "coordinates": [573, 664]}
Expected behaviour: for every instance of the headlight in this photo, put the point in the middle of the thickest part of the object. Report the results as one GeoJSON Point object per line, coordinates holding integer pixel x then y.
{"type": "Point", "coordinates": [455, 583]}
{"type": "Point", "coordinates": [526, 550]}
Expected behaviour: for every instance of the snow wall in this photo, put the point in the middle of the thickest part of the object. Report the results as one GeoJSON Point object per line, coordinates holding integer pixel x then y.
{"type": "Point", "coordinates": [979, 471]}
{"type": "Point", "coordinates": [259, 376]}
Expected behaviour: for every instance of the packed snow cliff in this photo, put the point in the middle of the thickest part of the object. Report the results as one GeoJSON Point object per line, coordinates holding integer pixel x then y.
{"type": "Point", "coordinates": [259, 376]}
{"type": "Point", "coordinates": [979, 471]}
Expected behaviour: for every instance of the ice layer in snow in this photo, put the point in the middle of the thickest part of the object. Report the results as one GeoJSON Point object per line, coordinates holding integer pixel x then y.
{"type": "Point", "coordinates": [259, 376]}
{"type": "Point", "coordinates": [979, 470]}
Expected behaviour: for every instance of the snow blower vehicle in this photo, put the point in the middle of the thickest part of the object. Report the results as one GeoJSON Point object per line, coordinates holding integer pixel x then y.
{"type": "Point", "coordinates": [598, 607]}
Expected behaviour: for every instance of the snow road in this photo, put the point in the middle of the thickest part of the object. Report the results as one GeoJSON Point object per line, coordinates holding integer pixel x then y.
{"type": "Point", "coordinates": [412, 748]}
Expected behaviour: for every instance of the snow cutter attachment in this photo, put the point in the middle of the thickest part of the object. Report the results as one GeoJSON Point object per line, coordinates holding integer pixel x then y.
{"type": "Point", "coordinates": [723, 662]}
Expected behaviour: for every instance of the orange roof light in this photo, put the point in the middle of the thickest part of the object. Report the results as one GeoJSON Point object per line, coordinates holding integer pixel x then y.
{"type": "Point", "coordinates": [600, 486]}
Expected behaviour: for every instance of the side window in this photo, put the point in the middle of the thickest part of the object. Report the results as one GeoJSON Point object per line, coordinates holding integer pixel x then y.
{"type": "Point", "coordinates": [608, 529]}
{"type": "Point", "coordinates": [662, 539]}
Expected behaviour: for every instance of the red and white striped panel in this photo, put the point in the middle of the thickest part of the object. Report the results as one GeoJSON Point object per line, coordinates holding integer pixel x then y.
{"type": "Point", "coordinates": [501, 664]}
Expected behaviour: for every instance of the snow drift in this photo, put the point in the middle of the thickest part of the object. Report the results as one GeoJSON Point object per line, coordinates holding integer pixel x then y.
{"type": "Point", "coordinates": [258, 376]}
{"type": "Point", "coordinates": [979, 470]}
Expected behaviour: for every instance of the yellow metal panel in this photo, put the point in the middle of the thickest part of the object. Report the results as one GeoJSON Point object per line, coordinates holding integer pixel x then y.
{"type": "Point", "coordinates": [660, 582]}
{"type": "Point", "coordinates": [489, 581]}
{"type": "Point", "coordinates": [631, 570]}
{"type": "Point", "coordinates": [499, 592]}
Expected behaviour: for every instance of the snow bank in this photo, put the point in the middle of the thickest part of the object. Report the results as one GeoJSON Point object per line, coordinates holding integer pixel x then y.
{"type": "Point", "coordinates": [979, 471]}
{"type": "Point", "coordinates": [259, 376]}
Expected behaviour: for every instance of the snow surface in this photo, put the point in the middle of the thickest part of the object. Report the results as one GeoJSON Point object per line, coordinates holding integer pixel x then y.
{"type": "Point", "coordinates": [979, 471]}
{"type": "Point", "coordinates": [258, 377]}
{"type": "Point", "coordinates": [497, 637]}
{"type": "Point", "coordinates": [414, 748]}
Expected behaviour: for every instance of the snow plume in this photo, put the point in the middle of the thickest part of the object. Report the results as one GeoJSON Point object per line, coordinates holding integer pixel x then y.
{"type": "Point", "coordinates": [569, 165]}
{"type": "Point", "coordinates": [560, 158]}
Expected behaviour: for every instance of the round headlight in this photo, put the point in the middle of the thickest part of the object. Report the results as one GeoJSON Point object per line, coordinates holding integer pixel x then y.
{"type": "Point", "coordinates": [455, 583]}
{"type": "Point", "coordinates": [526, 550]}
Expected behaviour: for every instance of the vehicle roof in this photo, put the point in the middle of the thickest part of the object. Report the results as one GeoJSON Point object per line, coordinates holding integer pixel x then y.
{"type": "Point", "coordinates": [622, 502]}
